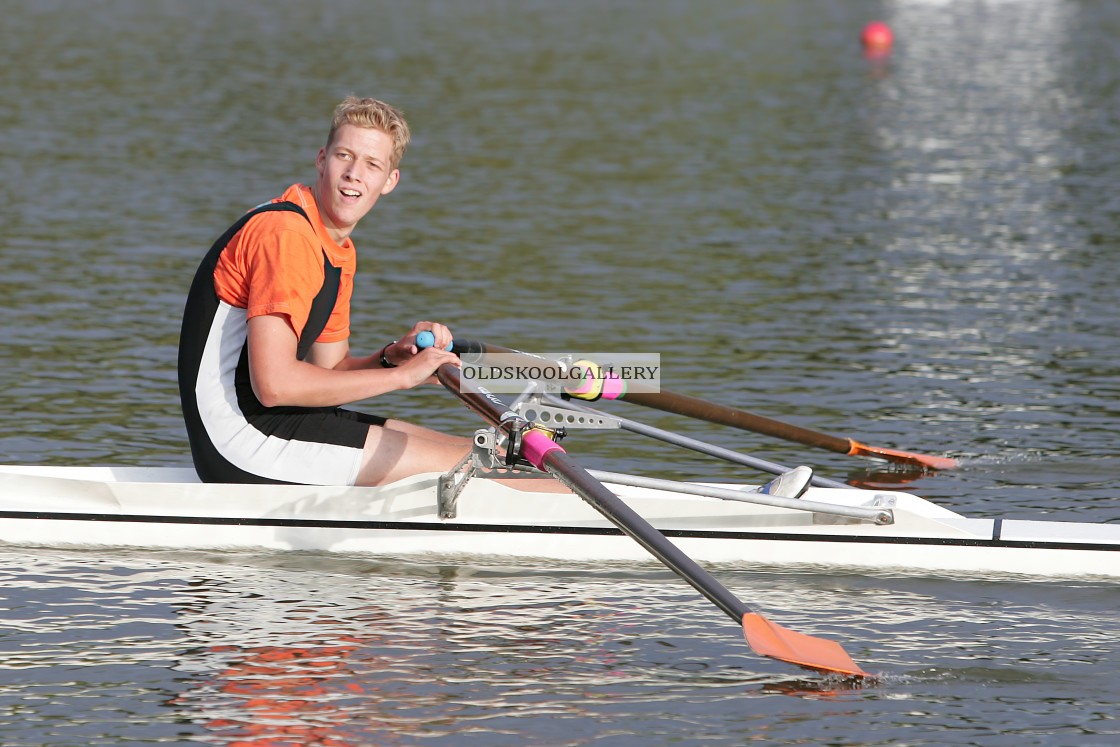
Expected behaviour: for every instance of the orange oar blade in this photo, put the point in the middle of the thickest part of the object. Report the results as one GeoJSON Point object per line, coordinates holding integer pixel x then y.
{"type": "Point", "coordinates": [905, 457]}
{"type": "Point", "coordinates": [770, 639]}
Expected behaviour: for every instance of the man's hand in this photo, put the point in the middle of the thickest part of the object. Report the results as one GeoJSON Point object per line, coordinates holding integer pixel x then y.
{"type": "Point", "coordinates": [421, 368]}
{"type": "Point", "coordinates": [406, 348]}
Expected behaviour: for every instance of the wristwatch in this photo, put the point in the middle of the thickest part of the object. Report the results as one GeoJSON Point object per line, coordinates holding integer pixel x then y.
{"type": "Point", "coordinates": [383, 360]}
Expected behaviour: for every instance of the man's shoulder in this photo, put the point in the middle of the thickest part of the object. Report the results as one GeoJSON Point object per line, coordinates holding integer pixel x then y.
{"type": "Point", "coordinates": [276, 235]}
{"type": "Point", "coordinates": [280, 219]}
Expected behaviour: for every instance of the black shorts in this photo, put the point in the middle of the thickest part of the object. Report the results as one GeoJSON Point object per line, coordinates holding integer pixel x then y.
{"type": "Point", "coordinates": [236, 439]}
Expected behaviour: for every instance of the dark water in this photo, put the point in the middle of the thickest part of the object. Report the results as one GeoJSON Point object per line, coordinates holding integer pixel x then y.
{"type": "Point", "coordinates": [916, 253]}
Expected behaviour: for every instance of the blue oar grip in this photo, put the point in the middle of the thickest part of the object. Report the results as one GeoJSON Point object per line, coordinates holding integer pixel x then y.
{"type": "Point", "coordinates": [426, 339]}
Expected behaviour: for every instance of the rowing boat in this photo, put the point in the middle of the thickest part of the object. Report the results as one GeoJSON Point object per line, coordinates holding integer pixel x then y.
{"type": "Point", "coordinates": [828, 528]}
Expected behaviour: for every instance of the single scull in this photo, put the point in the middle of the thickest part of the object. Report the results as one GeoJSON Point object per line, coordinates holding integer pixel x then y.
{"type": "Point", "coordinates": [828, 528]}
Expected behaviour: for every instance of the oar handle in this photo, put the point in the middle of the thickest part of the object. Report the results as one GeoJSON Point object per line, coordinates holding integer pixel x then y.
{"type": "Point", "coordinates": [425, 339]}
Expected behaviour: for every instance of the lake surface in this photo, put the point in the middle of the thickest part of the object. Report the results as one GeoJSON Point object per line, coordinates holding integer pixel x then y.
{"type": "Point", "coordinates": [917, 252]}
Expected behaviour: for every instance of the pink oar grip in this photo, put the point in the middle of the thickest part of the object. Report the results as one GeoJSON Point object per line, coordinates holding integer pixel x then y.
{"type": "Point", "coordinates": [597, 383]}
{"type": "Point", "coordinates": [613, 386]}
{"type": "Point", "coordinates": [535, 446]}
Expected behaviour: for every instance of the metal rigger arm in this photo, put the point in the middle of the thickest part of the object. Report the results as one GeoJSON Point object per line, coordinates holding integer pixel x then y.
{"type": "Point", "coordinates": [494, 455]}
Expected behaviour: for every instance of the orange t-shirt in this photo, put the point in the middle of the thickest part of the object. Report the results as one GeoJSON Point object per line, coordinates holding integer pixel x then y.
{"type": "Point", "coordinates": [274, 265]}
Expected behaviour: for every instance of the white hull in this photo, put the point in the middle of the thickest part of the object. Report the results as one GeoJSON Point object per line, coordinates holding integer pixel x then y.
{"type": "Point", "coordinates": [168, 508]}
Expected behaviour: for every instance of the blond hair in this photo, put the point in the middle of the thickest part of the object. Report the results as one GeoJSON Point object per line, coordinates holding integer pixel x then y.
{"type": "Point", "coordinates": [374, 114]}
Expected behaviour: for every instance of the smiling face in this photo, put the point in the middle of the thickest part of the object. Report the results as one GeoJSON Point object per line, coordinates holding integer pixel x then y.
{"type": "Point", "coordinates": [355, 169]}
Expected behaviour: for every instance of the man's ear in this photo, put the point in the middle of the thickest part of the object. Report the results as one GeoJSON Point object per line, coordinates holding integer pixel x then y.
{"type": "Point", "coordinates": [391, 182]}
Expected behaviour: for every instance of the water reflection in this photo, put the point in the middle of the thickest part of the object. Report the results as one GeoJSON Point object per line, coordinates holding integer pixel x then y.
{"type": "Point", "coordinates": [341, 670]}
{"type": "Point", "coordinates": [318, 649]}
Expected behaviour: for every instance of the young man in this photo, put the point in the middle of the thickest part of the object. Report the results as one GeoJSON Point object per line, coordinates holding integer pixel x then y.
{"type": "Point", "coordinates": [264, 355]}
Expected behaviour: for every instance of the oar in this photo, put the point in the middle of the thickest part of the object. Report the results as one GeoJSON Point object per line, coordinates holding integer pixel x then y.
{"type": "Point", "coordinates": [680, 404]}
{"type": "Point", "coordinates": [765, 637]}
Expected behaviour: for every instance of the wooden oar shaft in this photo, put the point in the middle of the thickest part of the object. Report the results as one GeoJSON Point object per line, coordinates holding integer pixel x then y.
{"type": "Point", "coordinates": [682, 404]}
{"type": "Point", "coordinates": [490, 407]}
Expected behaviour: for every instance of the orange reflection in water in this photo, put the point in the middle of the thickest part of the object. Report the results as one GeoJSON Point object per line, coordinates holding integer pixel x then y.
{"type": "Point", "coordinates": [289, 696]}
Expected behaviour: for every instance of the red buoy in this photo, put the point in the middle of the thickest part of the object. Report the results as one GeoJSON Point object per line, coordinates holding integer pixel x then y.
{"type": "Point", "coordinates": [877, 38]}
